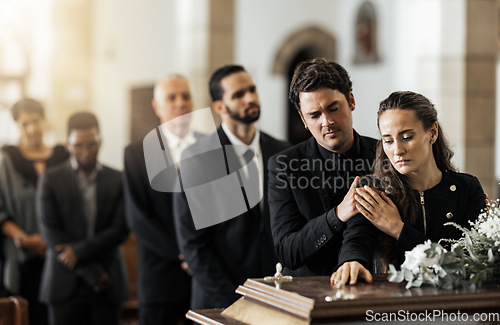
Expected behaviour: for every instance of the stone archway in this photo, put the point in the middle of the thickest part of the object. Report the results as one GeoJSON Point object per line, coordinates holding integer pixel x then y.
{"type": "Point", "coordinates": [317, 41]}
{"type": "Point", "coordinates": [307, 43]}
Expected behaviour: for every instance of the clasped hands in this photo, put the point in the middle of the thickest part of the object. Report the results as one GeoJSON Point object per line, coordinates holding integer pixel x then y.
{"type": "Point", "coordinates": [379, 209]}
{"type": "Point", "coordinates": [68, 257]}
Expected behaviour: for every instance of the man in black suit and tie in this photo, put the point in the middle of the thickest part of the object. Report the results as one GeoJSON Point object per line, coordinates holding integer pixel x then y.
{"type": "Point", "coordinates": [164, 284]}
{"type": "Point", "coordinates": [223, 255]}
{"type": "Point", "coordinates": [312, 184]}
{"type": "Point", "coordinates": [82, 221]}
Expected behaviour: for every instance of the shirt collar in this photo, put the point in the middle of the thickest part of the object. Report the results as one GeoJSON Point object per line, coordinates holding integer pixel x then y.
{"type": "Point", "coordinates": [353, 152]}
{"type": "Point", "coordinates": [174, 141]}
{"type": "Point", "coordinates": [76, 168]}
{"type": "Point", "coordinates": [242, 147]}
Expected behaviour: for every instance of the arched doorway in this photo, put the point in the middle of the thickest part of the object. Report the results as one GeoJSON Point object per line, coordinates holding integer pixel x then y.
{"type": "Point", "coordinates": [307, 43]}
{"type": "Point", "coordinates": [296, 132]}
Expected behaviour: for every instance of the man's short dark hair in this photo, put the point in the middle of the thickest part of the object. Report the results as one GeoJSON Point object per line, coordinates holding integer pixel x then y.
{"type": "Point", "coordinates": [82, 121]}
{"type": "Point", "coordinates": [27, 105]}
{"type": "Point", "coordinates": [216, 90]}
{"type": "Point", "coordinates": [317, 73]}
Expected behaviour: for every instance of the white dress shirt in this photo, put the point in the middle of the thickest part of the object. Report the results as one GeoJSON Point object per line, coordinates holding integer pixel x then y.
{"type": "Point", "coordinates": [241, 148]}
{"type": "Point", "coordinates": [176, 145]}
{"type": "Point", "coordinates": [88, 188]}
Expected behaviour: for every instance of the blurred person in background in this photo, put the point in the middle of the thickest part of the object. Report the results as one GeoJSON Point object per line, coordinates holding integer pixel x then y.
{"type": "Point", "coordinates": [21, 165]}
{"type": "Point", "coordinates": [164, 283]}
{"type": "Point", "coordinates": [82, 219]}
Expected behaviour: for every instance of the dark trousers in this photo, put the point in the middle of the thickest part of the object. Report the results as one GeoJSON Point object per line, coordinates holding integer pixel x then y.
{"type": "Point", "coordinates": [85, 308]}
{"type": "Point", "coordinates": [164, 314]}
{"type": "Point", "coordinates": [31, 272]}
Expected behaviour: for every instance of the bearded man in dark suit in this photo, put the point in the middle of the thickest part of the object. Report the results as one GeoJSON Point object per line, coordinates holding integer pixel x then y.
{"type": "Point", "coordinates": [223, 254]}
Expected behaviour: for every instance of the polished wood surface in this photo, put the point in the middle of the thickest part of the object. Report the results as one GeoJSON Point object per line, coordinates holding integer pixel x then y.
{"type": "Point", "coordinates": [384, 296]}
{"type": "Point", "coordinates": [302, 301]}
{"type": "Point", "coordinates": [212, 317]}
{"type": "Point", "coordinates": [13, 311]}
{"type": "Point", "coordinates": [130, 308]}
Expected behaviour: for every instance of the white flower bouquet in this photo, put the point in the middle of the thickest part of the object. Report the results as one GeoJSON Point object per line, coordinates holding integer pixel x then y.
{"type": "Point", "coordinates": [475, 257]}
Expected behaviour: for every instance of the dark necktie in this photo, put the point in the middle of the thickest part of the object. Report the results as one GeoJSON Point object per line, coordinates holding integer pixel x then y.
{"type": "Point", "coordinates": [251, 179]}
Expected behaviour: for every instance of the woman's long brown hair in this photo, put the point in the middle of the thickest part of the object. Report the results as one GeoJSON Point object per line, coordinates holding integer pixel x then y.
{"type": "Point", "coordinates": [398, 184]}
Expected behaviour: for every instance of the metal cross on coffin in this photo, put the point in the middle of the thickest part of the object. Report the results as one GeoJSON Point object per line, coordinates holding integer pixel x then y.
{"type": "Point", "coordinates": [278, 278]}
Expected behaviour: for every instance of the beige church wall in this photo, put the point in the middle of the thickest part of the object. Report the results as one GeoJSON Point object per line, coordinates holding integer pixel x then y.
{"type": "Point", "coordinates": [497, 125]}
{"type": "Point", "coordinates": [132, 46]}
{"type": "Point", "coordinates": [430, 56]}
{"type": "Point", "coordinates": [453, 51]}
{"type": "Point", "coordinates": [137, 42]}
{"type": "Point", "coordinates": [372, 82]}
{"type": "Point", "coordinates": [99, 50]}
{"type": "Point", "coordinates": [424, 45]}
{"type": "Point", "coordinates": [27, 49]}
{"type": "Point", "coordinates": [262, 26]}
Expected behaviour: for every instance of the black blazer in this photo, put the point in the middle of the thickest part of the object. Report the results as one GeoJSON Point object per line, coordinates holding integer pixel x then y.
{"type": "Point", "coordinates": [223, 256]}
{"type": "Point", "coordinates": [150, 216]}
{"type": "Point", "coordinates": [458, 198]}
{"type": "Point", "coordinates": [62, 221]}
{"type": "Point", "coordinates": [302, 198]}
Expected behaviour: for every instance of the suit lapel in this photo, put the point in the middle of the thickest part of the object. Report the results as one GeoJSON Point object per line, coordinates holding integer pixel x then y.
{"type": "Point", "coordinates": [229, 153]}
{"type": "Point", "coordinates": [267, 148]}
{"type": "Point", "coordinates": [312, 154]}
{"type": "Point", "coordinates": [222, 136]}
{"type": "Point", "coordinates": [72, 186]}
{"type": "Point", "coordinates": [101, 188]}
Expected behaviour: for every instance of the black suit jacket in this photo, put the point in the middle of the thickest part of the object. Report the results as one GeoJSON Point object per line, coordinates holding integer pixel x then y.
{"type": "Point", "coordinates": [303, 194]}
{"type": "Point", "coordinates": [62, 221]}
{"type": "Point", "coordinates": [223, 256]}
{"type": "Point", "coordinates": [150, 216]}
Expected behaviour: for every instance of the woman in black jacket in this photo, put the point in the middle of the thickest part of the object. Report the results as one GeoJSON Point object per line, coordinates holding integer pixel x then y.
{"type": "Point", "coordinates": [21, 243]}
{"type": "Point", "coordinates": [421, 190]}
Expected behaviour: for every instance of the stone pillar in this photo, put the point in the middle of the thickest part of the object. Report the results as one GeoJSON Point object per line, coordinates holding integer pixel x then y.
{"type": "Point", "coordinates": [71, 65]}
{"type": "Point", "coordinates": [204, 41]}
{"type": "Point", "coordinates": [458, 74]}
{"type": "Point", "coordinates": [480, 92]}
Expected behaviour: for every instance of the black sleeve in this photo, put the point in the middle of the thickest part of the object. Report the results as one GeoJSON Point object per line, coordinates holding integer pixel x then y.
{"type": "Point", "coordinates": [475, 201]}
{"type": "Point", "coordinates": [360, 240]}
{"type": "Point", "coordinates": [295, 237]}
{"type": "Point", "coordinates": [408, 239]}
